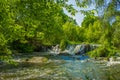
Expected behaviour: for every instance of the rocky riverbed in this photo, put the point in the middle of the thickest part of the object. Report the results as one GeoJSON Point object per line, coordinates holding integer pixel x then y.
{"type": "Point", "coordinates": [47, 67]}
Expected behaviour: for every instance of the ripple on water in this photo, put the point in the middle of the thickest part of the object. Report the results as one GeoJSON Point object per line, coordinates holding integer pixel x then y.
{"type": "Point", "coordinates": [55, 70]}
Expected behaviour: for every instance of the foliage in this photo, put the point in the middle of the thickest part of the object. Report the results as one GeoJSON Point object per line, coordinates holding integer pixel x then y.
{"type": "Point", "coordinates": [63, 44]}
{"type": "Point", "coordinates": [89, 19]}
{"type": "Point", "coordinates": [104, 51]}
{"type": "Point", "coordinates": [70, 31]}
{"type": "Point", "coordinates": [100, 52]}
{"type": "Point", "coordinates": [31, 23]}
{"type": "Point", "coordinates": [116, 33]}
{"type": "Point", "coordinates": [23, 47]}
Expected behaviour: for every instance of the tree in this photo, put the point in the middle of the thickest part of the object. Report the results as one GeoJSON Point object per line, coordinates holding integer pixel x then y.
{"type": "Point", "coordinates": [94, 32]}
{"type": "Point", "coordinates": [108, 12]}
{"type": "Point", "coordinates": [89, 19]}
{"type": "Point", "coordinates": [69, 29]}
{"type": "Point", "coordinates": [116, 32]}
{"type": "Point", "coordinates": [29, 23]}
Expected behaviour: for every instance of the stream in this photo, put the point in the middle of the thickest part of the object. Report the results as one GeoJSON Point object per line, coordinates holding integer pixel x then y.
{"type": "Point", "coordinates": [56, 68]}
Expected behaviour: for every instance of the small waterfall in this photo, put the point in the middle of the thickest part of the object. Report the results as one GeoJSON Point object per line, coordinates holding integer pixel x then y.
{"type": "Point", "coordinates": [79, 49]}
{"type": "Point", "coordinates": [55, 50]}
{"type": "Point", "coordinates": [71, 50]}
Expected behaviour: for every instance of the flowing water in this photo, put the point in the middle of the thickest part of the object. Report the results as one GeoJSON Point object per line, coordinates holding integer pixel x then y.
{"type": "Point", "coordinates": [56, 68]}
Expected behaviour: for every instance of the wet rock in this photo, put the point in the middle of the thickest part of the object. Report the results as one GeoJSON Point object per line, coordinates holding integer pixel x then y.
{"type": "Point", "coordinates": [37, 60]}
{"type": "Point", "coordinates": [76, 49]}
{"type": "Point", "coordinates": [82, 49]}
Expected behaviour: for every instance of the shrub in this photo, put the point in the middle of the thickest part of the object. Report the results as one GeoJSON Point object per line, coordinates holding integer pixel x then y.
{"type": "Point", "coordinates": [63, 44]}
{"type": "Point", "coordinates": [103, 51]}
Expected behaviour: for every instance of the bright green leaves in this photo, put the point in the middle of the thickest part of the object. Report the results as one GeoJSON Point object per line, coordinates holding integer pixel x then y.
{"type": "Point", "coordinates": [3, 41]}
{"type": "Point", "coordinates": [89, 19]}
{"type": "Point", "coordinates": [40, 35]}
{"type": "Point", "coordinates": [83, 3]}
{"type": "Point", "coordinates": [68, 28]}
{"type": "Point", "coordinates": [6, 29]}
{"type": "Point", "coordinates": [70, 9]}
{"type": "Point", "coordinates": [70, 31]}
{"type": "Point", "coordinates": [94, 32]}
{"type": "Point", "coordinates": [116, 32]}
{"type": "Point", "coordinates": [32, 20]}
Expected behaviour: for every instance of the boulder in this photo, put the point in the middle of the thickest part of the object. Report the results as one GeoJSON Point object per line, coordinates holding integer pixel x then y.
{"type": "Point", "coordinates": [37, 60]}
{"type": "Point", "coordinates": [82, 49]}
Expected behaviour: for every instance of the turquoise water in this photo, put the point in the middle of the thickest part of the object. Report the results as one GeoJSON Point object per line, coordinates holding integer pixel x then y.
{"type": "Point", "coordinates": [82, 68]}
{"type": "Point", "coordinates": [56, 68]}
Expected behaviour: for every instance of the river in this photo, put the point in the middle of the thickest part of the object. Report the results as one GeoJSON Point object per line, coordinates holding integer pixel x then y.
{"type": "Point", "coordinates": [56, 68]}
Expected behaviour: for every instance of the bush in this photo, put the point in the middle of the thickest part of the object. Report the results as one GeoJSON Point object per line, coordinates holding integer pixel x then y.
{"type": "Point", "coordinates": [5, 54]}
{"type": "Point", "coordinates": [103, 51]}
{"type": "Point", "coordinates": [63, 44]}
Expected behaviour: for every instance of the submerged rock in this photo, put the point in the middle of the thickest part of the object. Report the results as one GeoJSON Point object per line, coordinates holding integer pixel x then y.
{"type": "Point", "coordinates": [37, 60]}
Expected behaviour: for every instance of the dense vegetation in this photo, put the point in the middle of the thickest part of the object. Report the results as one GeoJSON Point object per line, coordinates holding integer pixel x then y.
{"type": "Point", "coordinates": [26, 25]}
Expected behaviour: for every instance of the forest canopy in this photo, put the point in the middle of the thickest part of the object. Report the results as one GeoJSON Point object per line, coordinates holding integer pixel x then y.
{"type": "Point", "coordinates": [25, 25]}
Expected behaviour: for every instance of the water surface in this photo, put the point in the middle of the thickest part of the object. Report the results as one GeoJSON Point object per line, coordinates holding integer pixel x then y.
{"type": "Point", "coordinates": [56, 68]}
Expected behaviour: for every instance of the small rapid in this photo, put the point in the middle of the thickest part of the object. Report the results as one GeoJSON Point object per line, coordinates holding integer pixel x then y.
{"type": "Point", "coordinates": [85, 69]}
{"type": "Point", "coordinates": [56, 68]}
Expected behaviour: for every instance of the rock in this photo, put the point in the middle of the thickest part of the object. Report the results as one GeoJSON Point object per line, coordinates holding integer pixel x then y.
{"type": "Point", "coordinates": [82, 49]}
{"type": "Point", "coordinates": [37, 60]}
{"type": "Point", "coordinates": [77, 49]}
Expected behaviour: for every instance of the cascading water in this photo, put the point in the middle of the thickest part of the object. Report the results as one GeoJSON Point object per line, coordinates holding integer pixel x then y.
{"type": "Point", "coordinates": [82, 70]}
{"type": "Point", "coordinates": [59, 67]}
{"type": "Point", "coordinates": [78, 49]}
{"type": "Point", "coordinates": [79, 67]}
